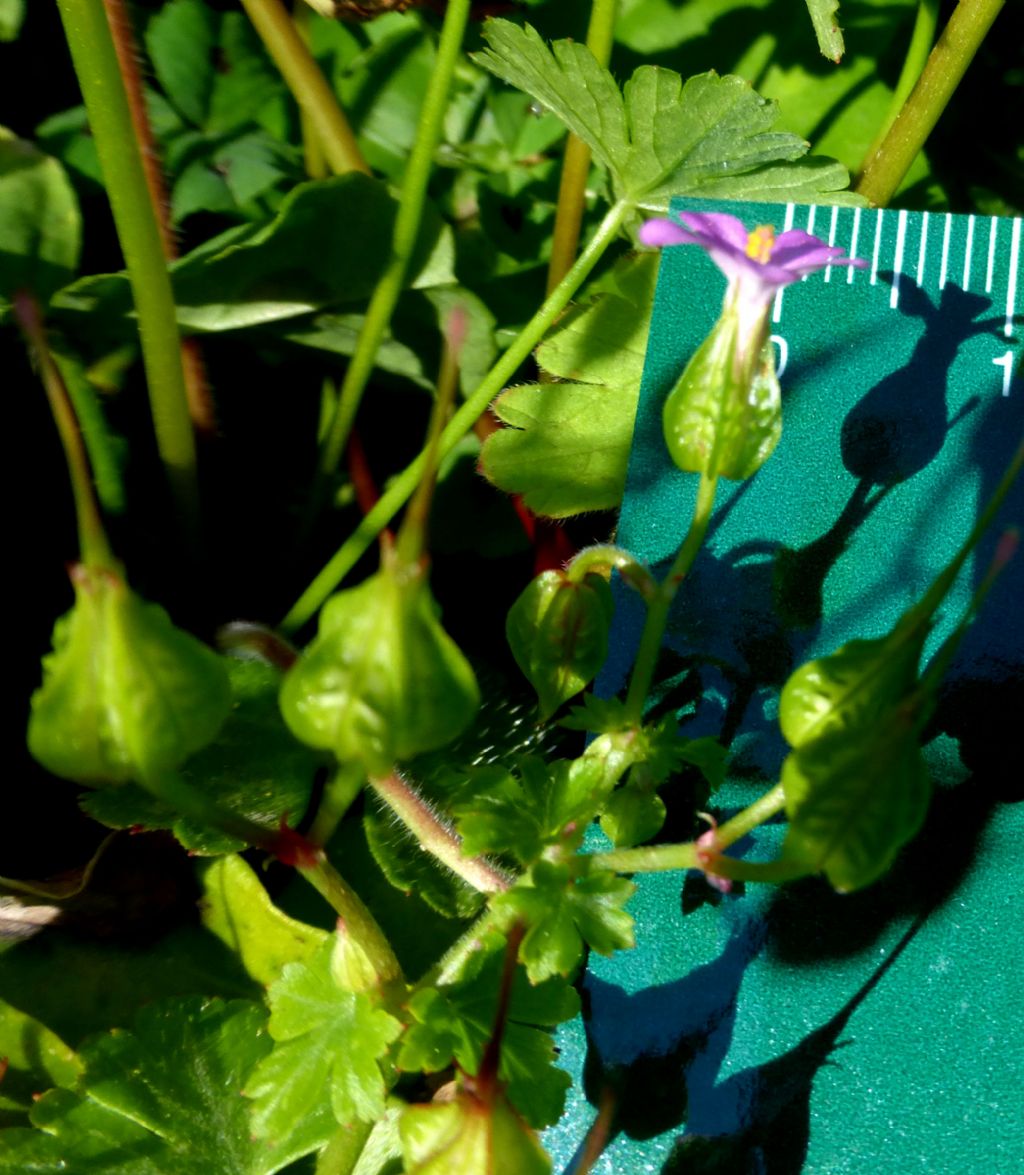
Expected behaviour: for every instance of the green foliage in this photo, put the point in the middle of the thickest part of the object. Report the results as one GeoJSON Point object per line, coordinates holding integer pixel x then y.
{"type": "Point", "coordinates": [452, 1025]}
{"type": "Point", "coordinates": [12, 13]}
{"type": "Point", "coordinates": [824, 17]}
{"type": "Point", "coordinates": [325, 1066]}
{"type": "Point", "coordinates": [238, 910]}
{"type": "Point", "coordinates": [541, 804]}
{"type": "Point", "coordinates": [565, 907]}
{"type": "Point", "coordinates": [661, 136]}
{"type": "Point", "coordinates": [161, 1099]}
{"type": "Point", "coordinates": [125, 694]}
{"type": "Point", "coordinates": [558, 633]}
{"type": "Point", "coordinates": [383, 681]}
{"type": "Point", "coordinates": [302, 260]}
{"type": "Point", "coordinates": [723, 417]}
{"type": "Point", "coordinates": [470, 1136]}
{"type": "Point", "coordinates": [568, 442]}
{"type": "Point", "coordinates": [856, 785]}
{"type": "Point", "coordinates": [252, 768]}
{"type": "Point", "coordinates": [42, 226]}
{"type": "Point", "coordinates": [36, 1060]}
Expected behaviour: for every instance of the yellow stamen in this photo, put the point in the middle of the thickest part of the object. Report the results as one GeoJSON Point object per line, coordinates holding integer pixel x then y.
{"type": "Point", "coordinates": [760, 243]}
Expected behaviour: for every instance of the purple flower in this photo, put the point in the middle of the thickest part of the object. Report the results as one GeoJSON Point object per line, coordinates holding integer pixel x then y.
{"type": "Point", "coordinates": [758, 264]}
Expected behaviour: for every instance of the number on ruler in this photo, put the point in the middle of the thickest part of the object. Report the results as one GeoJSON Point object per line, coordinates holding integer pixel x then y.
{"type": "Point", "coordinates": [1005, 361]}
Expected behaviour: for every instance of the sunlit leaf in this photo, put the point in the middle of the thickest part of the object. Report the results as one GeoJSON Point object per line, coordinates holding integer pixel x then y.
{"type": "Point", "coordinates": [328, 1043]}
{"type": "Point", "coordinates": [660, 137]}
{"type": "Point", "coordinates": [36, 1060]}
{"type": "Point", "coordinates": [568, 442]}
{"type": "Point", "coordinates": [162, 1099]}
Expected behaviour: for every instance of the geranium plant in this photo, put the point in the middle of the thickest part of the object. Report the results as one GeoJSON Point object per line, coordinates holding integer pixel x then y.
{"type": "Point", "coordinates": [323, 682]}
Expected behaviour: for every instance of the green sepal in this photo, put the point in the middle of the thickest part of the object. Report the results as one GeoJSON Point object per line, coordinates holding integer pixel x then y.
{"type": "Point", "coordinates": [632, 815]}
{"type": "Point", "coordinates": [724, 415]}
{"type": "Point", "coordinates": [470, 1136]}
{"type": "Point", "coordinates": [558, 632]}
{"type": "Point", "coordinates": [382, 681]}
{"type": "Point", "coordinates": [125, 694]}
{"type": "Point", "coordinates": [854, 801]}
{"type": "Point", "coordinates": [851, 689]}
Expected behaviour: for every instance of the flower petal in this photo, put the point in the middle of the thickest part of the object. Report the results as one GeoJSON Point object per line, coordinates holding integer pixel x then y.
{"type": "Point", "coordinates": [663, 232]}
{"type": "Point", "coordinates": [717, 228]}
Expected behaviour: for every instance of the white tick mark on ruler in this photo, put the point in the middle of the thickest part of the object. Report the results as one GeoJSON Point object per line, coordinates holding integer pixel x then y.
{"type": "Point", "coordinates": [811, 212]}
{"type": "Point", "coordinates": [878, 245]}
{"type": "Point", "coordinates": [966, 283]}
{"type": "Point", "coordinates": [922, 250]}
{"type": "Point", "coordinates": [897, 265]}
{"type": "Point", "coordinates": [993, 231]}
{"type": "Point", "coordinates": [852, 269]}
{"type": "Point", "coordinates": [944, 268]}
{"type": "Point", "coordinates": [1011, 286]}
{"type": "Point", "coordinates": [832, 237]}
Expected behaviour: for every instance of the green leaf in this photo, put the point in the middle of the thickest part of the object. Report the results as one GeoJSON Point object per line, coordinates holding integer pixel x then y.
{"type": "Point", "coordinates": [854, 798]}
{"type": "Point", "coordinates": [181, 40]}
{"type": "Point", "coordinates": [660, 137]}
{"type": "Point", "coordinates": [470, 1137]}
{"type": "Point", "coordinates": [162, 1099]}
{"type": "Point", "coordinates": [562, 911]}
{"type": "Point", "coordinates": [558, 630]}
{"type": "Point", "coordinates": [125, 693]}
{"type": "Point", "coordinates": [12, 13]}
{"type": "Point", "coordinates": [305, 259]}
{"type": "Point", "coordinates": [254, 768]}
{"type": "Point", "coordinates": [36, 1060]}
{"type": "Point", "coordinates": [408, 868]}
{"type": "Point", "coordinates": [453, 1024]}
{"type": "Point", "coordinates": [238, 910]}
{"type": "Point", "coordinates": [41, 222]}
{"type": "Point", "coordinates": [568, 442]}
{"type": "Point", "coordinates": [826, 28]}
{"type": "Point", "coordinates": [632, 816]}
{"type": "Point", "coordinates": [328, 1044]}
{"type": "Point", "coordinates": [545, 803]}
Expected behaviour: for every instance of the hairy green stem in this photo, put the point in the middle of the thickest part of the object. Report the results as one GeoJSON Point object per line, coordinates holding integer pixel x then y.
{"type": "Point", "coordinates": [308, 86]}
{"type": "Point", "coordinates": [437, 837]}
{"type": "Point", "coordinates": [402, 486]}
{"type": "Point", "coordinates": [884, 171]}
{"type": "Point", "coordinates": [92, 538]}
{"type": "Point", "coordinates": [659, 606]}
{"type": "Point", "coordinates": [403, 242]}
{"type": "Point", "coordinates": [572, 187]}
{"type": "Point", "coordinates": [110, 122]}
{"type": "Point", "coordinates": [648, 859]}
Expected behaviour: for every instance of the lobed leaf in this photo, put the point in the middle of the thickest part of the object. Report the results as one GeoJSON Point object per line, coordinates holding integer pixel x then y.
{"type": "Point", "coordinates": [453, 1024]}
{"type": "Point", "coordinates": [568, 443]}
{"type": "Point", "coordinates": [562, 912]}
{"type": "Point", "coordinates": [328, 1044]}
{"type": "Point", "coordinates": [660, 137]}
{"type": "Point", "coordinates": [162, 1099]}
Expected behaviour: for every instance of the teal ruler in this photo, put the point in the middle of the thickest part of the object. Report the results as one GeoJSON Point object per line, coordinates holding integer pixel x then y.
{"type": "Point", "coordinates": [798, 1030]}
